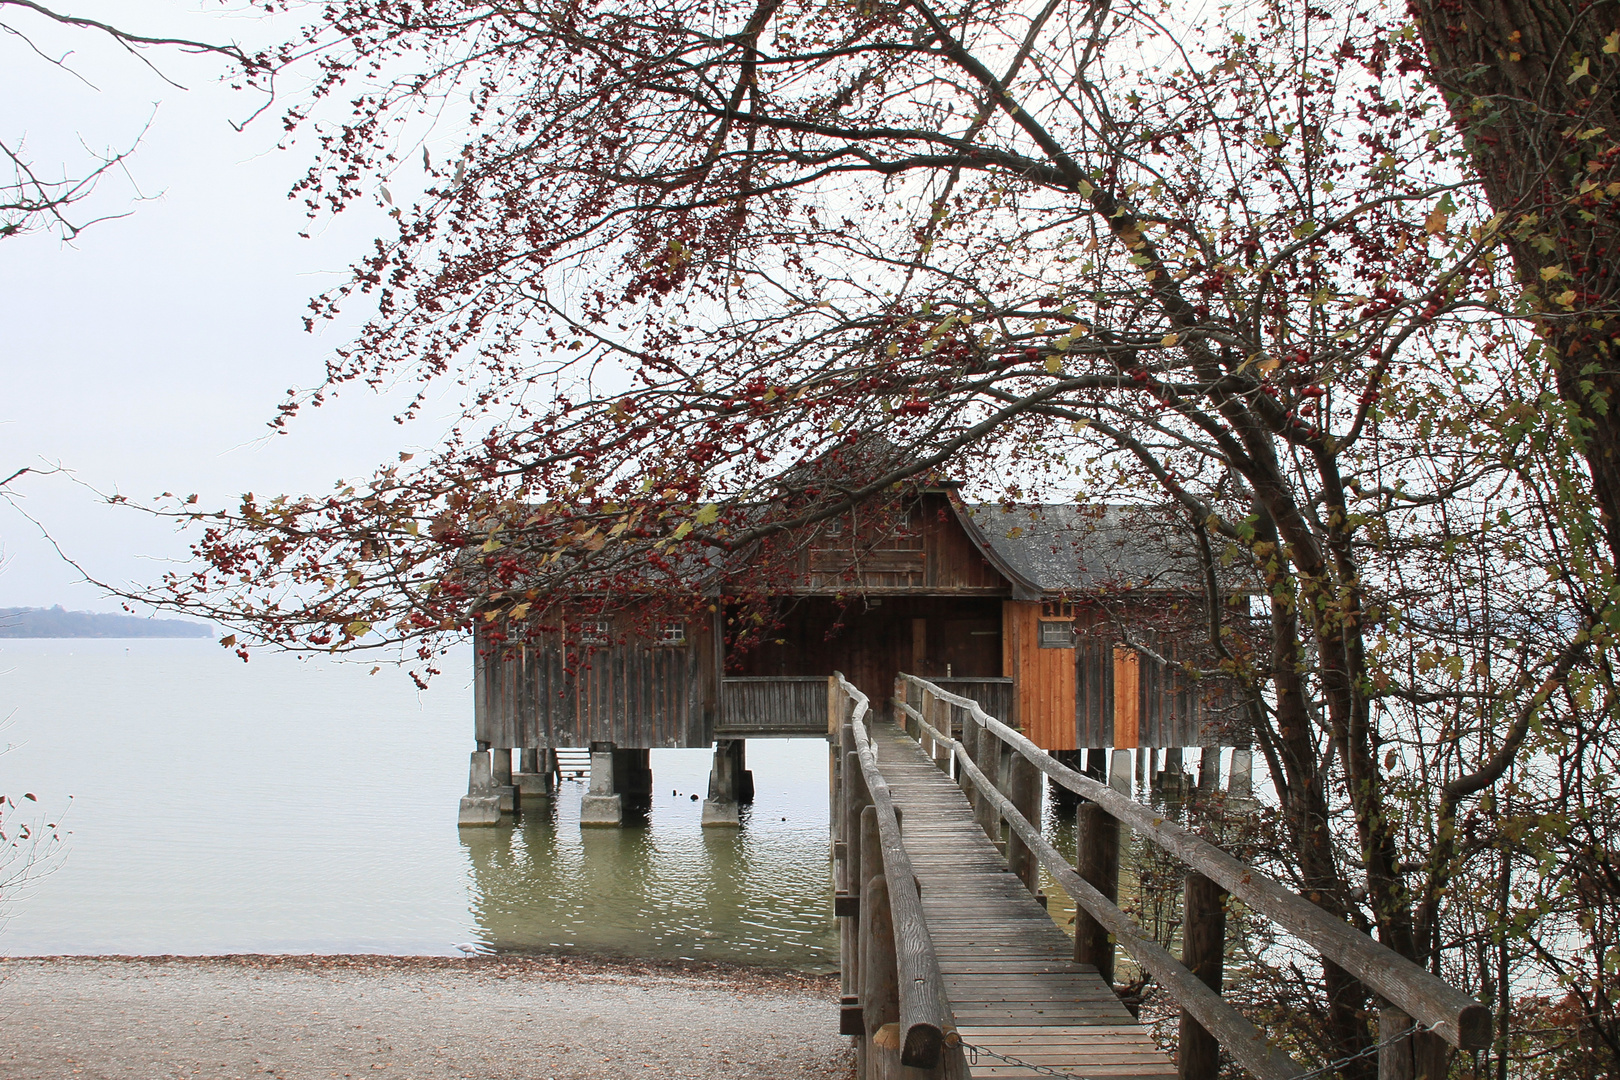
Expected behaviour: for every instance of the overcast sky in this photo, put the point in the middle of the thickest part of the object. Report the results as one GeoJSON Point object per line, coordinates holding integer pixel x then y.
{"type": "Point", "coordinates": [148, 355]}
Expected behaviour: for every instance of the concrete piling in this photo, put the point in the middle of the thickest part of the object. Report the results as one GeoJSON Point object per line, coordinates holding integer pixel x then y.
{"type": "Point", "coordinates": [481, 805]}
{"type": "Point", "coordinates": [601, 805]}
{"type": "Point", "coordinates": [727, 790]}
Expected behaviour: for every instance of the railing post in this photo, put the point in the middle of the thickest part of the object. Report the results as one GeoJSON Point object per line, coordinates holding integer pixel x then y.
{"type": "Point", "coordinates": [1203, 951]}
{"type": "Point", "coordinates": [1420, 1055]}
{"type": "Point", "coordinates": [880, 985]}
{"type": "Point", "coordinates": [1024, 782]}
{"type": "Point", "coordinates": [988, 758]}
{"type": "Point", "coordinates": [970, 747]}
{"type": "Point", "coordinates": [1097, 861]}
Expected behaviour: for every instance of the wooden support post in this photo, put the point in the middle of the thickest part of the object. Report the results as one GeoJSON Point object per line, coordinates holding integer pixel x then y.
{"type": "Point", "coordinates": [880, 985]}
{"type": "Point", "coordinates": [1421, 1055]}
{"type": "Point", "coordinates": [1209, 770]}
{"type": "Point", "coordinates": [988, 759]}
{"type": "Point", "coordinates": [1097, 861]}
{"type": "Point", "coordinates": [1203, 952]}
{"type": "Point", "coordinates": [970, 747]}
{"type": "Point", "coordinates": [1024, 782]}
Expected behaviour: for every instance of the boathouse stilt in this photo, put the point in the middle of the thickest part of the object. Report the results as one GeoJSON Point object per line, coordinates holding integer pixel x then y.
{"type": "Point", "coordinates": [536, 777]}
{"type": "Point", "coordinates": [500, 764]}
{"type": "Point", "coordinates": [1120, 780]}
{"type": "Point", "coordinates": [1240, 778]}
{"type": "Point", "coordinates": [481, 805]}
{"type": "Point", "coordinates": [632, 775]}
{"type": "Point", "coordinates": [731, 784]}
{"type": "Point", "coordinates": [601, 804]}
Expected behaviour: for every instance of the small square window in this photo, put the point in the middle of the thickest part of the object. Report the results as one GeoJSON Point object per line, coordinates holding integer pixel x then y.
{"type": "Point", "coordinates": [1057, 635]}
{"type": "Point", "coordinates": [835, 527]}
{"type": "Point", "coordinates": [594, 631]}
{"type": "Point", "coordinates": [672, 633]}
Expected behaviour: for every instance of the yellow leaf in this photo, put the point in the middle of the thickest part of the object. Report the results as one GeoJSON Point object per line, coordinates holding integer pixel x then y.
{"type": "Point", "coordinates": [1054, 364]}
{"type": "Point", "coordinates": [1582, 69]}
{"type": "Point", "coordinates": [1170, 340]}
{"type": "Point", "coordinates": [229, 640]}
{"type": "Point", "coordinates": [1270, 363]}
{"type": "Point", "coordinates": [1611, 44]}
{"type": "Point", "coordinates": [520, 611]}
{"type": "Point", "coordinates": [681, 530]}
{"type": "Point", "coordinates": [1566, 298]}
{"type": "Point", "coordinates": [708, 515]}
{"type": "Point", "coordinates": [358, 628]}
{"type": "Point", "coordinates": [1548, 273]}
{"type": "Point", "coordinates": [1436, 221]}
{"type": "Point", "coordinates": [1271, 140]}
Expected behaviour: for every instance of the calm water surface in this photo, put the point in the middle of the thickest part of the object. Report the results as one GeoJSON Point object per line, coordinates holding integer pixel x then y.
{"type": "Point", "coordinates": [309, 806]}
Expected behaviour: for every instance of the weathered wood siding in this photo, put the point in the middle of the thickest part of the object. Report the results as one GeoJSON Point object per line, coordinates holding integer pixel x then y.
{"type": "Point", "coordinates": [783, 705]}
{"type": "Point", "coordinates": [925, 551]}
{"type": "Point", "coordinates": [995, 696]}
{"type": "Point", "coordinates": [633, 695]}
{"type": "Point", "coordinates": [1171, 710]}
{"type": "Point", "coordinates": [1044, 678]}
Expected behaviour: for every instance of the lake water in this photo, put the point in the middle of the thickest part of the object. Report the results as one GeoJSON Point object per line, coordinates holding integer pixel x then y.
{"type": "Point", "coordinates": [287, 805]}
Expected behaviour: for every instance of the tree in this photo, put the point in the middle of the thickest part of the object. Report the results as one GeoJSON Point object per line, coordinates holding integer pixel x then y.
{"type": "Point", "coordinates": [713, 273]}
{"type": "Point", "coordinates": [1532, 88]}
{"type": "Point", "coordinates": [33, 199]}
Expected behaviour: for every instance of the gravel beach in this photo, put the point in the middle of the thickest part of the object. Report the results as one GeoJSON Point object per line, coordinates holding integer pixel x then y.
{"type": "Point", "coordinates": [501, 1018]}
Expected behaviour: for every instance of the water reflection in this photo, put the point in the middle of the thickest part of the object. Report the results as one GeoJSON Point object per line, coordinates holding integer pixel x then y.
{"type": "Point", "coordinates": [308, 806]}
{"type": "Point", "coordinates": [663, 886]}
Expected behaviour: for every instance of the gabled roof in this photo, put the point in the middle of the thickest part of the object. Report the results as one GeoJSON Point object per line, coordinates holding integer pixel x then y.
{"type": "Point", "coordinates": [1053, 549]}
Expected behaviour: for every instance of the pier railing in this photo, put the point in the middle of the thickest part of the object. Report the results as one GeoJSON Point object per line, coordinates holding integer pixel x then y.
{"type": "Point", "coordinates": [893, 991]}
{"type": "Point", "coordinates": [1000, 770]}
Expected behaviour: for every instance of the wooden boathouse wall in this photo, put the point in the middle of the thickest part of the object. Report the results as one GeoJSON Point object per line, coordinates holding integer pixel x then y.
{"type": "Point", "coordinates": [629, 693]}
{"type": "Point", "coordinates": [920, 591]}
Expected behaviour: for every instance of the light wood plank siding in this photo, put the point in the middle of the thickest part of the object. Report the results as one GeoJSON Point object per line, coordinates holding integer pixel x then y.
{"type": "Point", "coordinates": [1045, 678]}
{"type": "Point", "coordinates": [788, 705]}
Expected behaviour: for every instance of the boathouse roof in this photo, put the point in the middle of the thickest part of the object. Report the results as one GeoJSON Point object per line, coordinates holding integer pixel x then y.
{"type": "Point", "coordinates": [1067, 548]}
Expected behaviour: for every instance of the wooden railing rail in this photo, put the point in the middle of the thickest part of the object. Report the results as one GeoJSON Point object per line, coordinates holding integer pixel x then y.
{"type": "Point", "coordinates": [895, 970]}
{"type": "Point", "coordinates": [1452, 1015]}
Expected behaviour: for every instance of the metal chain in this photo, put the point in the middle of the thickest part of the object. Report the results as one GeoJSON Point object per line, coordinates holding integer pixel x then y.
{"type": "Point", "coordinates": [1044, 1070]}
{"type": "Point", "coordinates": [974, 1051]}
{"type": "Point", "coordinates": [1415, 1029]}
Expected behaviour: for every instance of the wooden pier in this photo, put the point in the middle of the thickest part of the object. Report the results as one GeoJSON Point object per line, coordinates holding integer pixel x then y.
{"type": "Point", "coordinates": [951, 967]}
{"type": "Point", "coordinates": [1009, 972]}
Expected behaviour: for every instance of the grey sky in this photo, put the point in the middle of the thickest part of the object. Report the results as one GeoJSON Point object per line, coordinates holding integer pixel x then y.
{"type": "Point", "coordinates": [148, 356]}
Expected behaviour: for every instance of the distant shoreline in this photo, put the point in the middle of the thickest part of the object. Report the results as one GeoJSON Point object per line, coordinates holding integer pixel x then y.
{"type": "Point", "coordinates": [54, 622]}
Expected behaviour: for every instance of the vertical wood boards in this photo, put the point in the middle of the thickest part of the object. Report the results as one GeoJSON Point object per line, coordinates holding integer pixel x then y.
{"type": "Point", "coordinates": [1044, 679]}
{"type": "Point", "coordinates": [1127, 698]}
{"type": "Point", "coordinates": [554, 693]}
{"type": "Point", "coordinates": [792, 705]}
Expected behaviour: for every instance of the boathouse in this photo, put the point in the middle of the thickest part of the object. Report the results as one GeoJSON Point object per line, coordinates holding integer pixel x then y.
{"type": "Point", "coordinates": [1062, 618]}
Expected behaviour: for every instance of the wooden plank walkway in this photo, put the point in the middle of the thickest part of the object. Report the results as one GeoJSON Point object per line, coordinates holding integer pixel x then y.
{"type": "Point", "coordinates": [1009, 971]}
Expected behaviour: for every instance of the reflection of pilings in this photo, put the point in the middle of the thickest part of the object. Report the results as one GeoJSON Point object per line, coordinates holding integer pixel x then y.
{"type": "Point", "coordinates": [480, 806]}
{"type": "Point", "coordinates": [601, 804]}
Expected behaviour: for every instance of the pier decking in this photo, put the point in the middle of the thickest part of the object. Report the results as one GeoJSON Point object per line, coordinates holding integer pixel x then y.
{"type": "Point", "coordinates": [1008, 970]}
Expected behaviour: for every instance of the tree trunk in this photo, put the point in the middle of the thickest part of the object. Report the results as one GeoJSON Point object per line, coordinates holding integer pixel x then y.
{"type": "Point", "coordinates": [1531, 85]}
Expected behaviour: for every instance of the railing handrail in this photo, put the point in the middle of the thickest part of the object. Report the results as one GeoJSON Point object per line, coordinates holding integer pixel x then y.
{"type": "Point", "coordinates": [1450, 1013]}
{"type": "Point", "coordinates": [926, 1020]}
{"type": "Point", "coordinates": [775, 678]}
{"type": "Point", "coordinates": [1246, 1043]}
